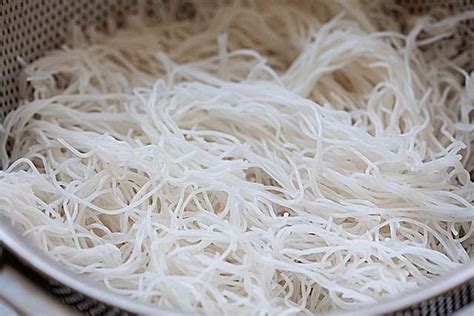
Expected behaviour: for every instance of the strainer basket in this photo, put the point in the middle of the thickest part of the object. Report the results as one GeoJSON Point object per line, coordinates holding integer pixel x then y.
{"type": "Point", "coordinates": [29, 28]}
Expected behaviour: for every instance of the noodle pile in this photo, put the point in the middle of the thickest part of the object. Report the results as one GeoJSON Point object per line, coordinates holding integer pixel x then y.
{"type": "Point", "coordinates": [293, 157]}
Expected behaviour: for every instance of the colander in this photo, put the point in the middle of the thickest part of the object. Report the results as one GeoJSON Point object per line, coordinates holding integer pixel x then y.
{"type": "Point", "coordinates": [29, 28]}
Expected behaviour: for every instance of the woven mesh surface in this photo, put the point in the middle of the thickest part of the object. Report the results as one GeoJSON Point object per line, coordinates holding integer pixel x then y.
{"type": "Point", "coordinates": [29, 28]}
{"type": "Point", "coordinates": [80, 302]}
{"type": "Point", "coordinates": [443, 305]}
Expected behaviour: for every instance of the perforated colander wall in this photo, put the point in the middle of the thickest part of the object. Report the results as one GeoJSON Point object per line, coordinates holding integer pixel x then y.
{"type": "Point", "coordinates": [29, 28]}
{"type": "Point", "coordinates": [465, 28]}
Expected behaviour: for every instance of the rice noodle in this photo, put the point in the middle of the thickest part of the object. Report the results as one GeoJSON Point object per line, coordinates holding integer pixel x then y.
{"type": "Point", "coordinates": [279, 159]}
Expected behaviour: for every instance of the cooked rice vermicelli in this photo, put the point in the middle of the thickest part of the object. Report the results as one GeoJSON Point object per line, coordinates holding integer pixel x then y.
{"type": "Point", "coordinates": [293, 157]}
